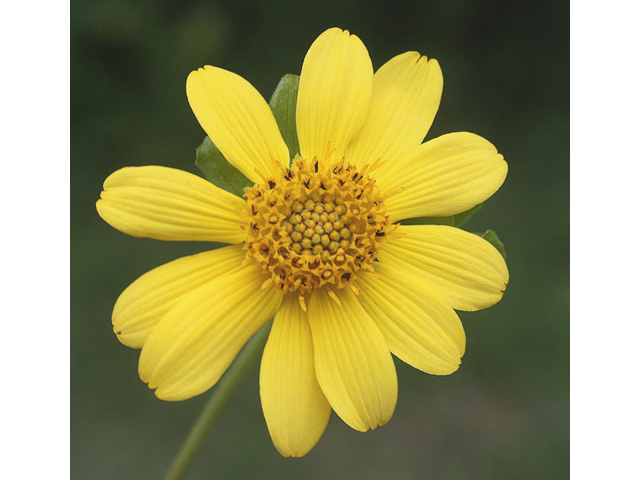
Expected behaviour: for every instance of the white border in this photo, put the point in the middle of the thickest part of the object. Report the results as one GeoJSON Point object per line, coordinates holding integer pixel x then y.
{"type": "Point", "coordinates": [605, 188]}
{"type": "Point", "coordinates": [34, 47]}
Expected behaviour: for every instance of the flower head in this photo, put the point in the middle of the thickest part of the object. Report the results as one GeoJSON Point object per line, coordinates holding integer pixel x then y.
{"type": "Point", "coordinates": [315, 243]}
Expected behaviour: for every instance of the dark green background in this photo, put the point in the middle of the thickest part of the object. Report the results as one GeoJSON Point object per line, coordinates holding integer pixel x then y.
{"type": "Point", "coordinates": [505, 413]}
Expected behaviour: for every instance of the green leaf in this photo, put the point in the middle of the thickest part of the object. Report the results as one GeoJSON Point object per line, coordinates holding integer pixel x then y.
{"type": "Point", "coordinates": [460, 218]}
{"type": "Point", "coordinates": [491, 237]}
{"type": "Point", "coordinates": [454, 220]}
{"type": "Point", "coordinates": [218, 171]}
{"type": "Point", "coordinates": [283, 105]}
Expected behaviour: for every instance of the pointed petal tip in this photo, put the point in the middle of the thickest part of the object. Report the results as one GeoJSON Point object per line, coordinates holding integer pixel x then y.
{"type": "Point", "coordinates": [334, 94]}
{"type": "Point", "coordinates": [360, 382]}
{"type": "Point", "coordinates": [464, 269]}
{"type": "Point", "coordinates": [294, 407]}
{"type": "Point", "coordinates": [420, 328]}
{"type": "Point", "coordinates": [195, 342]}
{"type": "Point", "coordinates": [237, 119]}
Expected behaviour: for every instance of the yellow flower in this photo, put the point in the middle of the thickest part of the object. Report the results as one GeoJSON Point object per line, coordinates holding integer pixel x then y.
{"type": "Point", "coordinates": [315, 243]}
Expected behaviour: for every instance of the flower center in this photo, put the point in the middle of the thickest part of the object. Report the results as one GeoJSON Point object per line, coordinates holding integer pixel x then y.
{"type": "Point", "coordinates": [311, 225]}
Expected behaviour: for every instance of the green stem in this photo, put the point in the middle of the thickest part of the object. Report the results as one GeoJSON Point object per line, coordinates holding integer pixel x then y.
{"type": "Point", "coordinates": [223, 392]}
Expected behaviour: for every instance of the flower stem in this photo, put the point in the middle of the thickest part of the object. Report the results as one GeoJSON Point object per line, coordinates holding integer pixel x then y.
{"type": "Point", "coordinates": [223, 392]}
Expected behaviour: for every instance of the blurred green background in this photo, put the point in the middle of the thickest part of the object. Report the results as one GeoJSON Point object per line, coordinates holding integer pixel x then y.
{"type": "Point", "coordinates": [505, 413]}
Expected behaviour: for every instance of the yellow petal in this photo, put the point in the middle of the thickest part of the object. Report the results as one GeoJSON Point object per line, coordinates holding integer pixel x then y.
{"type": "Point", "coordinates": [444, 176]}
{"type": "Point", "coordinates": [195, 342]}
{"type": "Point", "coordinates": [141, 306]}
{"type": "Point", "coordinates": [334, 93]}
{"type": "Point", "coordinates": [169, 204]}
{"type": "Point", "coordinates": [353, 362]}
{"type": "Point", "coordinates": [464, 269]}
{"type": "Point", "coordinates": [419, 327]}
{"type": "Point", "coordinates": [406, 95]}
{"type": "Point", "coordinates": [238, 121]}
{"type": "Point", "coordinates": [294, 406]}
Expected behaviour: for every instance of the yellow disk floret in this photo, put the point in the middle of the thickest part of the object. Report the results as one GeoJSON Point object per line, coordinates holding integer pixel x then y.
{"type": "Point", "coordinates": [311, 225]}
